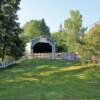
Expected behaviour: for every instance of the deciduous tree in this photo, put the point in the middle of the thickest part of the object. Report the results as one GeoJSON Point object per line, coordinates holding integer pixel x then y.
{"type": "Point", "coordinates": [73, 28]}
{"type": "Point", "coordinates": [35, 28]}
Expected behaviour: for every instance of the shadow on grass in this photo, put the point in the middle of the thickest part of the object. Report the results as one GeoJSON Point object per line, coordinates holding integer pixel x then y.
{"type": "Point", "coordinates": [48, 80]}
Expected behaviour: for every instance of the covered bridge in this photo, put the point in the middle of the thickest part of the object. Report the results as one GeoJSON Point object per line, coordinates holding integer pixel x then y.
{"type": "Point", "coordinates": [42, 45]}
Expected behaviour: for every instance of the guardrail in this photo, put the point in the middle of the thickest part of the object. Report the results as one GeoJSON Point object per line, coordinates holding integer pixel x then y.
{"type": "Point", "coordinates": [61, 55]}
{"type": "Point", "coordinates": [6, 64]}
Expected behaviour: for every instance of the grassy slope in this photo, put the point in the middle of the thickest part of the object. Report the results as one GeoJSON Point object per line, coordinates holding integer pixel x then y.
{"type": "Point", "coordinates": [50, 80]}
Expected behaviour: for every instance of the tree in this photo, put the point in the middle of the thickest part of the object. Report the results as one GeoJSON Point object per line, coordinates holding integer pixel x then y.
{"type": "Point", "coordinates": [60, 39]}
{"type": "Point", "coordinates": [93, 40]}
{"type": "Point", "coordinates": [31, 29]}
{"type": "Point", "coordinates": [9, 29]}
{"type": "Point", "coordinates": [35, 28]}
{"type": "Point", "coordinates": [74, 29]}
{"type": "Point", "coordinates": [44, 29]}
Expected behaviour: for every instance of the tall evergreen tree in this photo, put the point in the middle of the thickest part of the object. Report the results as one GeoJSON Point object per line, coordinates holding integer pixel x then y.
{"type": "Point", "coordinates": [44, 29]}
{"type": "Point", "coordinates": [9, 29]}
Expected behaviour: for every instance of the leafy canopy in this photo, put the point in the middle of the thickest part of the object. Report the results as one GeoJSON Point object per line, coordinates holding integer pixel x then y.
{"type": "Point", "coordinates": [35, 28]}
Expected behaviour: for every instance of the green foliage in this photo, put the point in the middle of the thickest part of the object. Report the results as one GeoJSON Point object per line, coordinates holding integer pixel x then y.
{"type": "Point", "coordinates": [9, 29]}
{"type": "Point", "coordinates": [74, 29]}
{"type": "Point", "coordinates": [44, 29]}
{"type": "Point", "coordinates": [60, 41]}
{"type": "Point", "coordinates": [93, 40]}
{"type": "Point", "coordinates": [68, 39]}
{"type": "Point", "coordinates": [35, 28]}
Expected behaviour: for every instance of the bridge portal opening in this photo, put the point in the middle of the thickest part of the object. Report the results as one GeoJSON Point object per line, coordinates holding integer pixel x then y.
{"type": "Point", "coordinates": [41, 47]}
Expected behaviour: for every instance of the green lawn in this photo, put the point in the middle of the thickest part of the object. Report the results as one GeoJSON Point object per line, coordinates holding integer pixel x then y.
{"type": "Point", "coordinates": [50, 80]}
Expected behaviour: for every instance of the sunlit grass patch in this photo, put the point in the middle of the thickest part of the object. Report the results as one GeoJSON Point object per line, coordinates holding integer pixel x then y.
{"type": "Point", "coordinates": [28, 78]}
{"type": "Point", "coordinates": [53, 80]}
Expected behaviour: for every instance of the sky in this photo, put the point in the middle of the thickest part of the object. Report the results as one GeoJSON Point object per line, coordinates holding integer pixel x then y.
{"type": "Point", "coordinates": [56, 11]}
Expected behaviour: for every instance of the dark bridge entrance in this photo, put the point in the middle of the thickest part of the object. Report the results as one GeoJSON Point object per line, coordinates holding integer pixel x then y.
{"type": "Point", "coordinates": [41, 47]}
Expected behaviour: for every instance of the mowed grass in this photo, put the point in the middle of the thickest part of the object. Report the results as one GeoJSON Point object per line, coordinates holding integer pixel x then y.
{"type": "Point", "coordinates": [50, 80]}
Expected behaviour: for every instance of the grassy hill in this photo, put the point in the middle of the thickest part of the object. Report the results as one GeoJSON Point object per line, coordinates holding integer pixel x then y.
{"type": "Point", "coordinates": [50, 80]}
